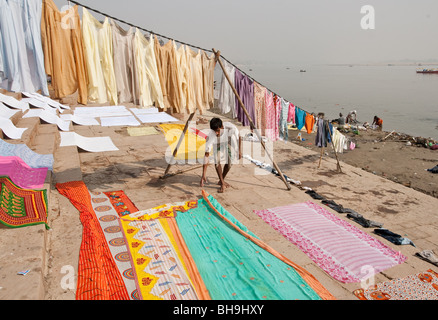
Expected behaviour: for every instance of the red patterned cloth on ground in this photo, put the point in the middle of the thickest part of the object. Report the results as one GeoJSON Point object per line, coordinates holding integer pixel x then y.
{"type": "Point", "coordinates": [21, 207]}
{"type": "Point", "coordinates": [121, 203]}
{"type": "Point", "coordinates": [98, 274]}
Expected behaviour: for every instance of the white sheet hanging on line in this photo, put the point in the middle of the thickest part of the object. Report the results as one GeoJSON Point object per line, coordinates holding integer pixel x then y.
{"type": "Point", "coordinates": [48, 117]}
{"type": "Point", "coordinates": [93, 144]}
{"type": "Point", "coordinates": [156, 117]}
{"type": "Point", "coordinates": [339, 141]}
{"type": "Point", "coordinates": [118, 121]}
{"type": "Point", "coordinates": [227, 99]}
{"type": "Point", "coordinates": [22, 61]}
{"type": "Point", "coordinates": [10, 130]}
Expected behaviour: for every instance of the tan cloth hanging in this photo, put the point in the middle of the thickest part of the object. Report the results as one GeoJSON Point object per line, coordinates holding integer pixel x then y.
{"type": "Point", "coordinates": [168, 74]}
{"type": "Point", "coordinates": [63, 49]}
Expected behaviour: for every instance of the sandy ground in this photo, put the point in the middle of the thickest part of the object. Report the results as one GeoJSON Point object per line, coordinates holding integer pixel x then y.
{"type": "Point", "coordinates": [52, 256]}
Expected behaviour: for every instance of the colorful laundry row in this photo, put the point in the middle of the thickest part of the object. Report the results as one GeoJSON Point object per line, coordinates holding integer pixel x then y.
{"type": "Point", "coordinates": [100, 61]}
{"type": "Point", "coordinates": [104, 63]}
{"type": "Point", "coordinates": [269, 112]}
{"type": "Point", "coordinates": [190, 250]}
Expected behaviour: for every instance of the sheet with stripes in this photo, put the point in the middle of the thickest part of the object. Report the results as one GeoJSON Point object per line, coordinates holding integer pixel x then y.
{"type": "Point", "coordinates": [342, 250]}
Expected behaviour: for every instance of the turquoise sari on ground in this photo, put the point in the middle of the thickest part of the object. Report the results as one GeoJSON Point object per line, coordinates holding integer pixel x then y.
{"type": "Point", "coordinates": [232, 266]}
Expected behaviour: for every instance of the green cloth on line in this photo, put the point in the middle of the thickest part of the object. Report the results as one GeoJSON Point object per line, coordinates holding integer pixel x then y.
{"type": "Point", "coordinates": [232, 266]}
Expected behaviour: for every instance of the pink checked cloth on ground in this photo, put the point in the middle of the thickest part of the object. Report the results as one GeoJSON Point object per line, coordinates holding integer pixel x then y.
{"type": "Point", "coordinates": [21, 173]}
{"type": "Point", "coordinates": [339, 248]}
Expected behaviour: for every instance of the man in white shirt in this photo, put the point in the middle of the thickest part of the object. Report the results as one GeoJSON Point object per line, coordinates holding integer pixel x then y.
{"type": "Point", "coordinates": [223, 141]}
{"type": "Point", "coordinates": [351, 117]}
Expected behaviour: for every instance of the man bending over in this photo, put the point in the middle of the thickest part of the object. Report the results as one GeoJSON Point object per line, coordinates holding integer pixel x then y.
{"type": "Point", "coordinates": [223, 143]}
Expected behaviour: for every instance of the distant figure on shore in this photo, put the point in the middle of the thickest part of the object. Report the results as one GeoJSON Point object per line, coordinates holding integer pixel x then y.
{"type": "Point", "coordinates": [341, 121]}
{"type": "Point", "coordinates": [223, 143]}
{"type": "Point", "coordinates": [378, 122]}
{"type": "Point", "coordinates": [351, 117]}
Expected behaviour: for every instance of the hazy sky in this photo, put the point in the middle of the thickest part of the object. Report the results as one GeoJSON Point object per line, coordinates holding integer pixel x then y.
{"type": "Point", "coordinates": [289, 31]}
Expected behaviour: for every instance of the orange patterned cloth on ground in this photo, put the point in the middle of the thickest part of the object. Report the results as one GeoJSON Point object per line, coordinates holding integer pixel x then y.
{"type": "Point", "coordinates": [98, 275]}
{"type": "Point", "coordinates": [422, 286]}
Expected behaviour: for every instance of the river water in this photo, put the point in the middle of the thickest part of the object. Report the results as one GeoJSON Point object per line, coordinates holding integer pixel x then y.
{"type": "Point", "coordinates": [406, 101]}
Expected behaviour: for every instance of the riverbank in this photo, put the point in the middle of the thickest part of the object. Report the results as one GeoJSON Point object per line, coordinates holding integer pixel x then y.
{"type": "Point", "coordinates": [394, 156]}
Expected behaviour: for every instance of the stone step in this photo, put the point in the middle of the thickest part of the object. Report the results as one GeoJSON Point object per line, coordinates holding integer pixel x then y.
{"type": "Point", "coordinates": [67, 165]}
{"type": "Point", "coordinates": [26, 248]}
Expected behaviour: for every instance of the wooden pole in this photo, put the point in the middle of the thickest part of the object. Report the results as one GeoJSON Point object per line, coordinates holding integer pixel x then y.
{"type": "Point", "coordinates": [181, 138]}
{"type": "Point", "coordinates": [320, 158]}
{"type": "Point", "coordinates": [217, 53]}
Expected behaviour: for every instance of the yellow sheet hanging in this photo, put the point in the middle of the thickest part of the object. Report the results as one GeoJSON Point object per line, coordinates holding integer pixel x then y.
{"type": "Point", "coordinates": [192, 146]}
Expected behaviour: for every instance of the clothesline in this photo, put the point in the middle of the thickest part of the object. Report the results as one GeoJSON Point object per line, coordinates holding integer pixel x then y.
{"type": "Point", "coordinates": [171, 39]}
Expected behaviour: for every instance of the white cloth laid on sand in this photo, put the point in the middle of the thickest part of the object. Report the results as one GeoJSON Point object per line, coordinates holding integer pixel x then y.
{"type": "Point", "coordinates": [48, 117]}
{"type": "Point", "coordinates": [13, 103]}
{"type": "Point", "coordinates": [39, 104]}
{"type": "Point", "coordinates": [104, 111]}
{"type": "Point", "coordinates": [10, 130]}
{"type": "Point", "coordinates": [93, 144]}
{"type": "Point", "coordinates": [6, 112]}
{"type": "Point", "coordinates": [138, 111]}
{"type": "Point", "coordinates": [156, 117]}
{"type": "Point", "coordinates": [80, 120]}
{"type": "Point", "coordinates": [119, 121]}
{"type": "Point", "coordinates": [50, 102]}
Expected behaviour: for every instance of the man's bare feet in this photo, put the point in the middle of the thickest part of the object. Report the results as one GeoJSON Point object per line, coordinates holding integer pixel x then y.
{"type": "Point", "coordinates": [225, 184]}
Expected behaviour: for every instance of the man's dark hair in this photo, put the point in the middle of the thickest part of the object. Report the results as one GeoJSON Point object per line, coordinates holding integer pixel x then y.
{"type": "Point", "coordinates": [215, 124]}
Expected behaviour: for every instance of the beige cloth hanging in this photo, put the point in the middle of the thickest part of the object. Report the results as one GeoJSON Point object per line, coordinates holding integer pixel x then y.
{"type": "Point", "coordinates": [149, 91]}
{"type": "Point", "coordinates": [99, 57]}
{"type": "Point", "coordinates": [63, 49]}
{"type": "Point", "coordinates": [259, 106]}
{"type": "Point", "coordinates": [185, 80]}
{"type": "Point", "coordinates": [208, 65]}
{"type": "Point", "coordinates": [195, 62]}
{"type": "Point", "coordinates": [124, 63]}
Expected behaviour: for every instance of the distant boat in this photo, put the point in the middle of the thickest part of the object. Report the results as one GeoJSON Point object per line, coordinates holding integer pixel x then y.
{"type": "Point", "coordinates": [428, 71]}
{"type": "Point", "coordinates": [302, 70]}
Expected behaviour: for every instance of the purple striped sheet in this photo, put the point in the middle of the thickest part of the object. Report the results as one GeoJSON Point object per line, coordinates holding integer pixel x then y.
{"type": "Point", "coordinates": [339, 248]}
